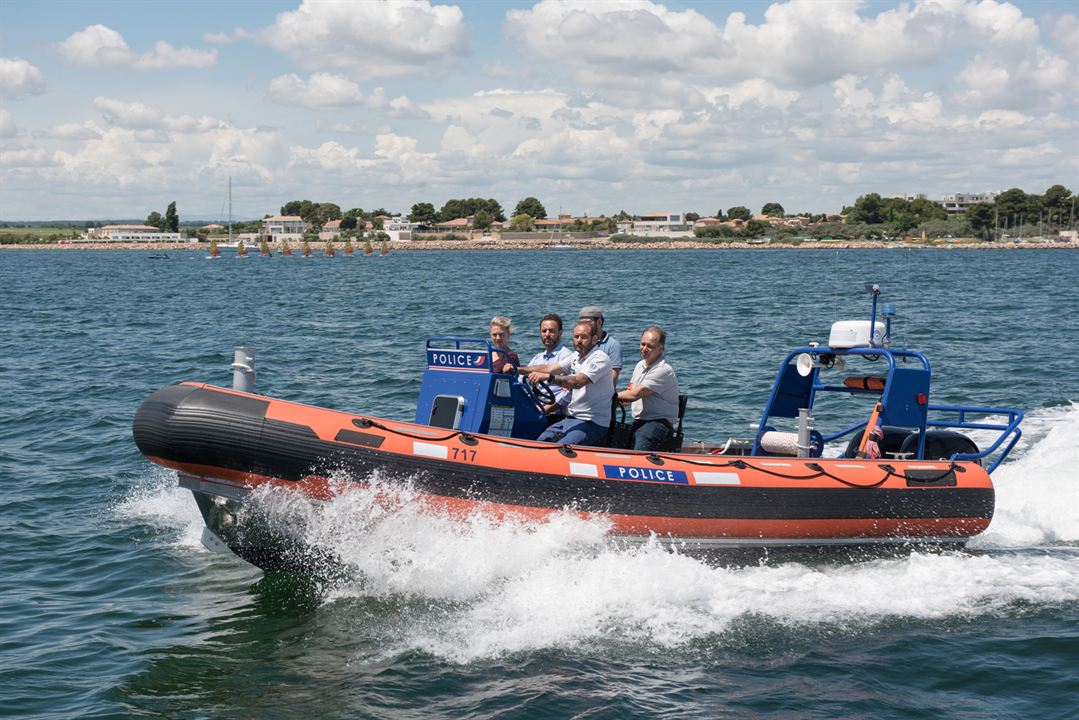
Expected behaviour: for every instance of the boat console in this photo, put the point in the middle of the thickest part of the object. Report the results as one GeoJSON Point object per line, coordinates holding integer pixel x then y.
{"type": "Point", "coordinates": [460, 392]}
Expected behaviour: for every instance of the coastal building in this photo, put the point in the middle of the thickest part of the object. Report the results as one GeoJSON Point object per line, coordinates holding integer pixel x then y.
{"type": "Point", "coordinates": [956, 203]}
{"type": "Point", "coordinates": [129, 233]}
{"type": "Point", "coordinates": [330, 230]}
{"type": "Point", "coordinates": [399, 228]}
{"type": "Point", "coordinates": [282, 227]}
{"type": "Point", "coordinates": [661, 223]}
{"type": "Point", "coordinates": [457, 225]}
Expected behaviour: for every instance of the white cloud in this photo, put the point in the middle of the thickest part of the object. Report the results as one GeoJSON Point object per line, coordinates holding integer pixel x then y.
{"type": "Point", "coordinates": [24, 157]}
{"type": "Point", "coordinates": [1065, 32]}
{"type": "Point", "coordinates": [368, 40]}
{"type": "Point", "coordinates": [75, 131]}
{"type": "Point", "coordinates": [395, 160]}
{"type": "Point", "coordinates": [322, 90]}
{"type": "Point", "coordinates": [333, 91]}
{"type": "Point", "coordinates": [7, 125]}
{"type": "Point", "coordinates": [216, 38]}
{"type": "Point", "coordinates": [164, 56]}
{"type": "Point", "coordinates": [137, 116]}
{"type": "Point", "coordinates": [129, 158]}
{"type": "Point", "coordinates": [128, 115]}
{"type": "Point", "coordinates": [98, 46]}
{"type": "Point", "coordinates": [331, 156]}
{"type": "Point", "coordinates": [101, 46]}
{"type": "Point", "coordinates": [894, 101]}
{"type": "Point", "coordinates": [224, 38]}
{"type": "Point", "coordinates": [246, 155]}
{"type": "Point", "coordinates": [402, 107]}
{"type": "Point", "coordinates": [799, 44]}
{"type": "Point", "coordinates": [18, 78]}
{"type": "Point", "coordinates": [1030, 155]}
{"type": "Point", "coordinates": [1039, 79]}
{"type": "Point", "coordinates": [755, 90]}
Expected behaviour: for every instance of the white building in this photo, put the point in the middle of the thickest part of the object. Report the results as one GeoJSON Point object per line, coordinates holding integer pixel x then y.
{"type": "Point", "coordinates": [129, 233]}
{"type": "Point", "coordinates": [399, 228]}
{"type": "Point", "coordinates": [662, 224]}
{"type": "Point", "coordinates": [955, 203]}
{"type": "Point", "coordinates": [283, 227]}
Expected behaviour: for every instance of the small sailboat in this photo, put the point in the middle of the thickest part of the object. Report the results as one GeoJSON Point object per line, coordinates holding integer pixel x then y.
{"type": "Point", "coordinates": [285, 249]}
{"type": "Point", "coordinates": [385, 248]}
{"type": "Point", "coordinates": [348, 247]}
{"type": "Point", "coordinates": [264, 249]}
{"type": "Point", "coordinates": [306, 249]}
{"type": "Point", "coordinates": [367, 249]}
{"type": "Point", "coordinates": [215, 252]}
{"type": "Point", "coordinates": [329, 248]}
{"type": "Point", "coordinates": [241, 250]}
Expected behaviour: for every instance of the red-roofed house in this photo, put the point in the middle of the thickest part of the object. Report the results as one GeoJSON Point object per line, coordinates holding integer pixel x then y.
{"type": "Point", "coordinates": [331, 230]}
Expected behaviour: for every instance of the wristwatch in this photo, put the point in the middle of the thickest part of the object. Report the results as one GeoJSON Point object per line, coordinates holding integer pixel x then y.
{"type": "Point", "coordinates": [550, 377]}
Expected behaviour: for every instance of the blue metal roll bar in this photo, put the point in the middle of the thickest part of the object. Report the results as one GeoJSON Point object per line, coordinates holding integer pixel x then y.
{"type": "Point", "coordinates": [904, 398]}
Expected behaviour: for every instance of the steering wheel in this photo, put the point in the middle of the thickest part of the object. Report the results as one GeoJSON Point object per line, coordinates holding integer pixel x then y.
{"type": "Point", "coordinates": [544, 393]}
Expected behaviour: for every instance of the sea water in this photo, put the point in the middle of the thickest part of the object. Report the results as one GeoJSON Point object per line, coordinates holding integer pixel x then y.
{"type": "Point", "coordinates": [111, 607]}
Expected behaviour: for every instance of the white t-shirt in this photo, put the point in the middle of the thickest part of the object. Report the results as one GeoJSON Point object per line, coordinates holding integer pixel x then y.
{"type": "Point", "coordinates": [661, 380]}
{"type": "Point", "coordinates": [593, 401]}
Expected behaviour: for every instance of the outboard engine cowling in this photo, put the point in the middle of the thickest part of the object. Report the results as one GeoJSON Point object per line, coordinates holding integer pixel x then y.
{"type": "Point", "coordinates": [940, 444]}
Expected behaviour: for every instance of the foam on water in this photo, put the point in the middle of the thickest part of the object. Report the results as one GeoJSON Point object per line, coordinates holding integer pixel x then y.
{"type": "Point", "coordinates": [1038, 490]}
{"type": "Point", "coordinates": [656, 597]}
{"type": "Point", "coordinates": [156, 500]}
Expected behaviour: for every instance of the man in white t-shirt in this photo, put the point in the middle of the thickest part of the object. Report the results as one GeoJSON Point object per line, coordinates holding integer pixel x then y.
{"type": "Point", "coordinates": [587, 374]}
{"type": "Point", "coordinates": [653, 390]}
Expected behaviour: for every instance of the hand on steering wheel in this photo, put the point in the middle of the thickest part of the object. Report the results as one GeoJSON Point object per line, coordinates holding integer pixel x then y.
{"type": "Point", "coordinates": [544, 393]}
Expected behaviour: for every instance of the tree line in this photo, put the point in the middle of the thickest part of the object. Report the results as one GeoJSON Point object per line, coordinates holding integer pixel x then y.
{"type": "Point", "coordinates": [1011, 208]}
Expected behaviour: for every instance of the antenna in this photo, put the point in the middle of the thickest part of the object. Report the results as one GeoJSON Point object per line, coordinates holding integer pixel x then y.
{"type": "Point", "coordinates": [874, 290]}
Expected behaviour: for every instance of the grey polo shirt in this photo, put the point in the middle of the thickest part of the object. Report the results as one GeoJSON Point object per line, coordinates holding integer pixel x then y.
{"type": "Point", "coordinates": [593, 401]}
{"type": "Point", "coordinates": [661, 380]}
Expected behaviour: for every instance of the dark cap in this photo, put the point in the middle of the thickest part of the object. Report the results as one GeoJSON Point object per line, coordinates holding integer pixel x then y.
{"type": "Point", "coordinates": [591, 311]}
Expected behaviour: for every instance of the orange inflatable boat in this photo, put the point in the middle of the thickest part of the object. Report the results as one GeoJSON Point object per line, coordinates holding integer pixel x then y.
{"type": "Point", "coordinates": [469, 450]}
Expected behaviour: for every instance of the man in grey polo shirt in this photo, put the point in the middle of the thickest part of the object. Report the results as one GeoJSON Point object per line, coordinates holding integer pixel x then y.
{"type": "Point", "coordinates": [587, 374]}
{"type": "Point", "coordinates": [653, 390]}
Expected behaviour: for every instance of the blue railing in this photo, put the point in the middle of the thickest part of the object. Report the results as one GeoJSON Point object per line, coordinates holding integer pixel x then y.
{"type": "Point", "coordinates": [1010, 429]}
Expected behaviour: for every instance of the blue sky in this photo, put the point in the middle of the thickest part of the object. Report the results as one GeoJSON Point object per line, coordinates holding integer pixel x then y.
{"type": "Point", "coordinates": [115, 109]}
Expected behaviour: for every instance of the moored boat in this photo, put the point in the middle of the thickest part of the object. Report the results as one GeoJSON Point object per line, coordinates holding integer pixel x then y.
{"type": "Point", "coordinates": [469, 449]}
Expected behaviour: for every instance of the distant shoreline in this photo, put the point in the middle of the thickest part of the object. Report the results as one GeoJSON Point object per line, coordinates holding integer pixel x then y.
{"type": "Point", "coordinates": [659, 244]}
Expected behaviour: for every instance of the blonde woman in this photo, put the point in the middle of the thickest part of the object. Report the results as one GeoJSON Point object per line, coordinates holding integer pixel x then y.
{"type": "Point", "coordinates": [501, 329]}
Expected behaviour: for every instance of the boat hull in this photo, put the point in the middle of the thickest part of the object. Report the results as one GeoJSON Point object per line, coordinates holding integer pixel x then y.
{"type": "Point", "coordinates": [225, 444]}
